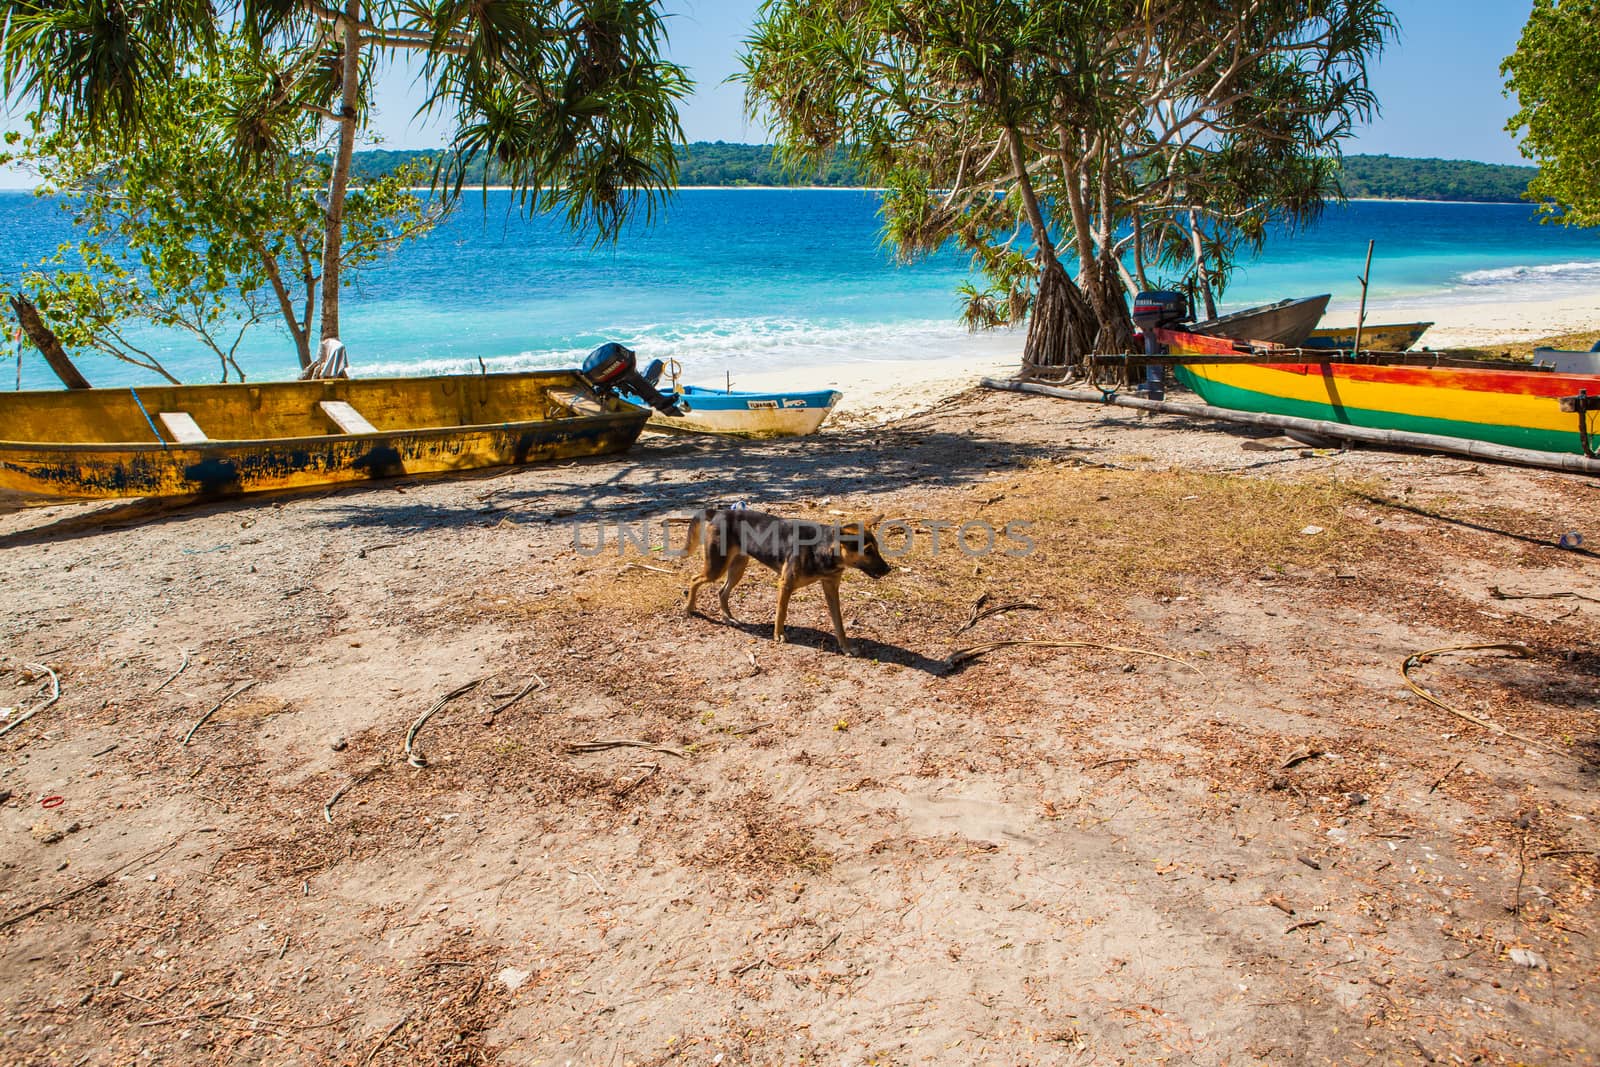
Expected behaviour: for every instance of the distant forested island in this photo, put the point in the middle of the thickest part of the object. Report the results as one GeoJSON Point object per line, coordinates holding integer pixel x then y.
{"type": "Point", "coordinates": [738, 165]}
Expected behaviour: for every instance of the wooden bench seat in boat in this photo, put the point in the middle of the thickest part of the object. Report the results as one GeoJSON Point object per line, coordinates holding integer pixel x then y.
{"type": "Point", "coordinates": [346, 417]}
{"type": "Point", "coordinates": [182, 427]}
{"type": "Point", "coordinates": [577, 401]}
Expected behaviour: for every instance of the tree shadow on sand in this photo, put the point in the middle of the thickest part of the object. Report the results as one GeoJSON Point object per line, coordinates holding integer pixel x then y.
{"type": "Point", "coordinates": [662, 473]}
{"type": "Point", "coordinates": [662, 476]}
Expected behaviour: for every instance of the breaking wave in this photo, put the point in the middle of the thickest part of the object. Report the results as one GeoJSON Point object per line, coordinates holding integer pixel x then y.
{"type": "Point", "coordinates": [1579, 272]}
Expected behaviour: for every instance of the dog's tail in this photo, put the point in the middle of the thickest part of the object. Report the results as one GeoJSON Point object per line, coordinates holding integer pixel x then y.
{"type": "Point", "coordinates": [697, 529]}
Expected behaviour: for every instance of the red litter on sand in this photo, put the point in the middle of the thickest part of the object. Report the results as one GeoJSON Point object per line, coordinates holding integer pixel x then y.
{"type": "Point", "coordinates": [52, 802]}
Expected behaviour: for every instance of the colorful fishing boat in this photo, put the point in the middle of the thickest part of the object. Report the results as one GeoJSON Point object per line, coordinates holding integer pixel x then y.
{"type": "Point", "coordinates": [220, 440]}
{"type": "Point", "coordinates": [1287, 322]}
{"type": "Point", "coordinates": [746, 414]}
{"type": "Point", "coordinates": [1519, 408]}
{"type": "Point", "coordinates": [1382, 337]}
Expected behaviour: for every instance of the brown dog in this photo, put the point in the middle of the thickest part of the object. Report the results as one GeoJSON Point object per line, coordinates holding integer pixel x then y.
{"type": "Point", "coordinates": [800, 552]}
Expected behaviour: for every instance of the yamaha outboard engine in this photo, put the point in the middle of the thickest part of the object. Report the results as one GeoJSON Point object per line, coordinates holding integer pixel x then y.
{"type": "Point", "coordinates": [1158, 309]}
{"type": "Point", "coordinates": [612, 368]}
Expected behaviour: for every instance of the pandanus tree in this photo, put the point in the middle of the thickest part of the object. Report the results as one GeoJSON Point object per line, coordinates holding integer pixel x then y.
{"type": "Point", "coordinates": [1058, 142]}
{"type": "Point", "coordinates": [570, 101]}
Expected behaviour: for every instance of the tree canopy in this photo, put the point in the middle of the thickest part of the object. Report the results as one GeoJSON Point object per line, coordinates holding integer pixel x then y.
{"type": "Point", "coordinates": [1168, 132]}
{"type": "Point", "coordinates": [1555, 73]}
{"type": "Point", "coordinates": [571, 99]}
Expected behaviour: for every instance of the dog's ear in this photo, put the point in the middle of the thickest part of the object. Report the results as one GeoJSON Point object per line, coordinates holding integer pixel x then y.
{"type": "Point", "coordinates": [872, 523]}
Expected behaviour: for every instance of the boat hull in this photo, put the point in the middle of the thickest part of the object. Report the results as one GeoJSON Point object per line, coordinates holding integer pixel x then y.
{"type": "Point", "coordinates": [749, 414]}
{"type": "Point", "coordinates": [1391, 337]}
{"type": "Point", "coordinates": [1287, 323]}
{"type": "Point", "coordinates": [1564, 362]}
{"type": "Point", "coordinates": [44, 472]}
{"type": "Point", "coordinates": [1515, 408]}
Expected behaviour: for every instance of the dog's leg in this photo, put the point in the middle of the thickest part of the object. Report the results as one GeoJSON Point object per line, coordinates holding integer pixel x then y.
{"type": "Point", "coordinates": [785, 591]}
{"type": "Point", "coordinates": [830, 590]}
{"type": "Point", "coordinates": [735, 572]}
{"type": "Point", "coordinates": [716, 565]}
{"type": "Point", "coordinates": [688, 596]}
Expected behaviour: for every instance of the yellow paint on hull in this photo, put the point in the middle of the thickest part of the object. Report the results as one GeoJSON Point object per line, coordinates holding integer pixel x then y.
{"type": "Point", "coordinates": [1432, 394]}
{"type": "Point", "coordinates": [110, 443]}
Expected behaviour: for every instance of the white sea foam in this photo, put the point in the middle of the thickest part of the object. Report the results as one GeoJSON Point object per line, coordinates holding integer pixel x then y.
{"type": "Point", "coordinates": [1585, 271]}
{"type": "Point", "coordinates": [717, 346]}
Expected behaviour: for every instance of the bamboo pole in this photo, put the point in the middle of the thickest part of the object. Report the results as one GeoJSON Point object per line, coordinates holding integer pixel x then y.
{"type": "Point", "coordinates": [1299, 356]}
{"type": "Point", "coordinates": [1361, 317]}
{"type": "Point", "coordinates": [1525, 457]}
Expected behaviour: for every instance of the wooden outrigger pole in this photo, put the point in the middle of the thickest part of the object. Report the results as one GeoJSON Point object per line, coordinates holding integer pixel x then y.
{"type": "Point", "coordinates": [1525, 457]}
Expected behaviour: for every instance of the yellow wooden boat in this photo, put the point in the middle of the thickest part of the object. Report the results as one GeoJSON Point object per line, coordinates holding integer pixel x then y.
{"type": "Point", "coordinates": [1375, 337]}
{"type": "Point", "coordinates": [221, 440]}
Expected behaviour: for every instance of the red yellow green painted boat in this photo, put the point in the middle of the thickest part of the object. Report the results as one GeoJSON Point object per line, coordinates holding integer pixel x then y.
{"type": "Point", "coordinates": [1509, 407]}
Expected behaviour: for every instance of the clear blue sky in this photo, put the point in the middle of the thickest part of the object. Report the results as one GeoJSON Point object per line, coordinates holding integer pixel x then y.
{"type": "Point", "coordinates": [1439, 84]}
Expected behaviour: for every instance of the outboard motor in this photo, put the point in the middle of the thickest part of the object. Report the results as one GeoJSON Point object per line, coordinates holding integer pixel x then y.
{"type": "Point", "coordinates": [1158, 309]}
{"type": "Point", "coordinates": [613, 368]}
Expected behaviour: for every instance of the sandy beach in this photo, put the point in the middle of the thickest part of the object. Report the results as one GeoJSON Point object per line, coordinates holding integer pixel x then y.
{"type": "Point", "coordinates": [1213, 822]}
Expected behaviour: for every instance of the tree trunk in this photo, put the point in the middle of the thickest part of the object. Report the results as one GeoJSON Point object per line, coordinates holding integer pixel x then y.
{"type": "Point", "coordinates": [1138, 249]}
{"type": "Point", "coordinates": [1111, 330]}
{"type": "Point", "coordinates": [1107, 293]}
{"type": "Point", "coordinates": [1201, 274]}
{"type": "Point", "coordinates": [45, 340]}
{"type": "Point", "coordinates": [333, 228]}
{"type": "Point", "coordinates": [1116, 324]}
{"type": "Point", "coordinates": [269, 263]}
{"type": "Point", "coordinates": [1061, 328]}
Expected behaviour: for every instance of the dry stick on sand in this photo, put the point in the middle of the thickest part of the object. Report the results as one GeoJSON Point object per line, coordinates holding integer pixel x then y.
{"type": "Point", "coordinates": [95, 884]}
{"type": "Point", "coordinates": [524, 691]}
{"type": "Point", "coordinates": [1500, 594]}
{"type": "Point", "coordinates": [1437, 782]}
{"type": "Point", "coordinates": [55, 695]}
{"type": "Point", "coordinates": [603, 744]}
{"type": "Point", "coordinates": [1524, 822]}
{"type": "Point", "coordinates": [964, 655]}
{"type": "Point", "coordinates": [174, 675]}
{"type": "Point", "coordinates": [979, 612]}
{"type": "Point", "coordinates": [650, 771]}
{"type": "Point", "coordinates": [415, 758]}
{"type": "Point", "coordinates": [213, 710]}
{"type": "Point", "coordinates": [1519, 651]}
{"type": "Point", "coordinates": [626, 567]}
{"type": "Point", "coordinates": [395, 1029]}
{"type": "Point", "coordinates": [327, 809]}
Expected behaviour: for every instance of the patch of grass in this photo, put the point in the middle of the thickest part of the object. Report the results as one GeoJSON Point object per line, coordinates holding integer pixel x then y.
{"type": "Point", "coordinates": [1121, 531]}
{"type": "Point", "coordinates": [1572, 342]}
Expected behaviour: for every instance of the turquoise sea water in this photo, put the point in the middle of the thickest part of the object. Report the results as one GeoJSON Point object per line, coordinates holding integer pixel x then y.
{"type": "Point", "coordinates": [744, 280]}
